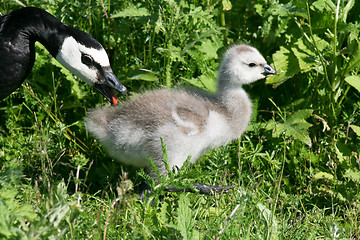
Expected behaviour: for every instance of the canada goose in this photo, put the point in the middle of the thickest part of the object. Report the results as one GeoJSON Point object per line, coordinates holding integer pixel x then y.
{"type": "Point", "coordinates": [80, 53]}
{"type": "Point", "coordinates": [190, 123]}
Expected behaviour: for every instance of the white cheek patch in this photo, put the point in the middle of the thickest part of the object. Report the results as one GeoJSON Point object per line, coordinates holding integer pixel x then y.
{"type": "Point", "coordinates": [70, 57]}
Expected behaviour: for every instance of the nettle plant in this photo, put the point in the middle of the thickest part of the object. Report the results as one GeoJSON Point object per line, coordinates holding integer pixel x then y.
{"type": "Point", "coordinates": [322, 54]}
{"type": "Point", "coordinates": [177, 41]}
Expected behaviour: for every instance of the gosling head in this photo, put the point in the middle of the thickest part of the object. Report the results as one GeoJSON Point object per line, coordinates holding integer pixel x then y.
{"type": "Point", "coordinates": [86, 58]}
{"type": "Point", "coordinates": [243, 64]}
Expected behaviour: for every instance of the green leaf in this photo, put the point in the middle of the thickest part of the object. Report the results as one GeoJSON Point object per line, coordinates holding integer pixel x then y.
{"type": "Point", "coordinates": [209, 48]}
{"type": "Point", "coordinates": [144, 74]}
{"type": "Point", "coordinates": [209, 82]}
{"type": "Point", "coordinates": [296, 8]}
{"type": "Point", "coordinates": [323, 175]}
{"type": "Point", "coordinates": [295, 126]}
{"type": "Point", "coordinates": [321, 6]}
{"type": "Point", "coordinates": [356, 129]}
{"type": "Point", "coordinates": [226, 5]}
{"type": "Point", "coordinates": [5, 224]}
{"type": "Point", "coordinates": [205, 81]}
{"type": "Point", "coordinates": [270, 219]}
{"type": "Point", "coordinates": [354, 81]}
{"type": "Point", "coordinates": [25, 212]}
{"type": "Point", "coordinates": [353, 174]}
{"type": "Point", "coordinates": [299, 116]}
{"type": "Point", "coordinates": [346, 10]}
{"type": "Point", "coordinates": [286, 65]}
{"type": "Point", "coordinates": [306, 56]}
{"type": "Point", "coordinates": [132, 11]}
{"type": "Point", "coordinates": [163, 217]}
{"type": "Point", "coordinates": [301, 57]}
{"type": "Point", "coordinates": [185, 218]}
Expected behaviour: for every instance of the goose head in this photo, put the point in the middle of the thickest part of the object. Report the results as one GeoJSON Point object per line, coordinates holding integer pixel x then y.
{"type": "Point", "coordinates": [242, 64]}
{"type": "Point", "coordinates": [86, 58]}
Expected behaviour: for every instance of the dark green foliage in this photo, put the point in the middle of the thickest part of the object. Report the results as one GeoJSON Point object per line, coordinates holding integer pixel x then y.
{"type": "Point", "coordinates": [296, 170]}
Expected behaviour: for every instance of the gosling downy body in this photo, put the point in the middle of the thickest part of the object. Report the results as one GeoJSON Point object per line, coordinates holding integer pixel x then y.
{"type": "Point", "coordinates": [190, 123]}
{"type": "Point", "coordinates": [76, 50]}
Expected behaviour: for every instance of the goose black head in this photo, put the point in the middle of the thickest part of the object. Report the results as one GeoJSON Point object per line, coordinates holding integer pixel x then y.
{"type": "Point", "coordinates": [86, 58]}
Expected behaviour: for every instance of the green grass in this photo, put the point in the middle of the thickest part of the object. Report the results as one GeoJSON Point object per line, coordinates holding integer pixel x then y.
{"type": "Point", "coordinates": [296, 170]}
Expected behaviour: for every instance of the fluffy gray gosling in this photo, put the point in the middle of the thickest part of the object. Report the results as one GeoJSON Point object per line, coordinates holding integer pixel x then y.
{"type": "Point", "coordinates": [190, 123]}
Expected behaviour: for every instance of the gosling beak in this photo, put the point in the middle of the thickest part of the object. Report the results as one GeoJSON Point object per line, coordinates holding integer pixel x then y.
{"type": "Point", "coordinates": [268, 70]}
{"type": "Point", "coordinates": [108, 87]}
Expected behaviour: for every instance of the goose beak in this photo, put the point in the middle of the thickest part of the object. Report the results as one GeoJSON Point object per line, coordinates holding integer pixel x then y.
{"type": "Point", "coordinates": [268, 70]}
{"type": "Point", "coordinates": [108, 87]}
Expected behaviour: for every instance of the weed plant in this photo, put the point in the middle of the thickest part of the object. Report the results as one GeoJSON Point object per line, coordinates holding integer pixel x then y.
{"type": "Point", "coordinates": [296, 170]}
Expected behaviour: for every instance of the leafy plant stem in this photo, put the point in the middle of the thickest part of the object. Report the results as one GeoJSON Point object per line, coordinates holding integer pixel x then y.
{"type": "Point", "coordinates": [313, 42]}
{"type": "Point", "coordinates": [335, 43]}
{"type": "Point", "coordinates": [169, 46]}
{"type": "Point", "coordinates": [280, 112]}
{"type": "Point", "coordinates": [67, 219]}
{"type": "Point", "coordinates": [331, 105]}
{"type": "Point", "coordinates": [223, 23]}
{"type": "Point", "coordinates": [334, 64]}
{"type": "Point", "coordinates": [168, 65]}
{"type": "Point", "coordinates": [55, 95]}
{"type": "Point", "coordinates": [278, 190]}
{"type": "Point", "coordinates": [334, 83]}
{"type": "Point", "coordinates": [151, 44]}
{"type": "Point", "coordinates": [343, 97]}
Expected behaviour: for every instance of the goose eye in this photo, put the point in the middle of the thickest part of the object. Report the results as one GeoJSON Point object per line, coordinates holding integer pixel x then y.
{"type": "Point", "coordinates": [252, 64]}
{"type": "Point", "coordinates": [86, 59]}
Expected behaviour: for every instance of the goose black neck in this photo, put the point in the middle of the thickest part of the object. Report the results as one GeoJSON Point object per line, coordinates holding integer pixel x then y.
{"type": "Point", "coordinates": [34, 24]}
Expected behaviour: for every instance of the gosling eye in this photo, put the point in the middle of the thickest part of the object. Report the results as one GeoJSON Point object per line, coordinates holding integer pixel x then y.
{"type": "Point", "coordinates": [87, 59]}
{"type": "Point", "coordinates": [252, 64]}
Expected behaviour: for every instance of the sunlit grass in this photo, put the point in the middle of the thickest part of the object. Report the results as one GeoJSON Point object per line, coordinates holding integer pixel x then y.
{"type": "Point", "coordinates": [57, 182]}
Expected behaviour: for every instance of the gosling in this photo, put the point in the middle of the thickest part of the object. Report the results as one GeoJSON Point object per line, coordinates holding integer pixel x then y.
{"type": "Point", "coordinates": [189, 122]}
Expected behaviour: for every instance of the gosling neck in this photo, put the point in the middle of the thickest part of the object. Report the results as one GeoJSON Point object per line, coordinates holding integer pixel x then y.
{"type": "Point", "coordinates": [231, 94]}
{"type": "Point", "coordinates": [227, 82]}
{"type": "Point", "coordinates": [236, 104]}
